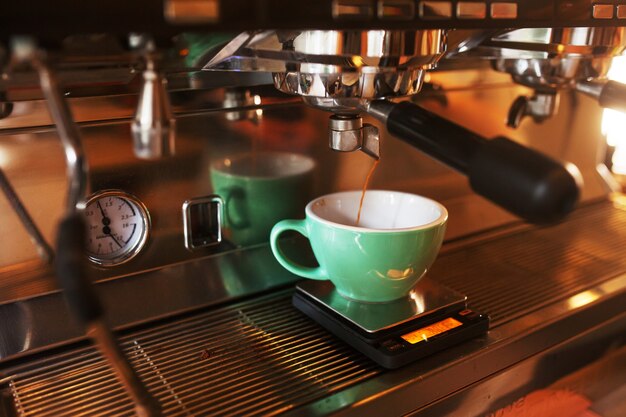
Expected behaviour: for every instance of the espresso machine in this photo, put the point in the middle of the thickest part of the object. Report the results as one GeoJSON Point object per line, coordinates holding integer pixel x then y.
{"type": "Point", "coordinates": [160, 298]}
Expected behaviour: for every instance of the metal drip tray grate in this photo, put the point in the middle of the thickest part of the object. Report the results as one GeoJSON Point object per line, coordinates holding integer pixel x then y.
{"type": "Point", "coordinates": [512, 275]}
{"type": "Point", "coordinates": [263, 357]}
{"type": "Point", "coordinates": [258, 358]}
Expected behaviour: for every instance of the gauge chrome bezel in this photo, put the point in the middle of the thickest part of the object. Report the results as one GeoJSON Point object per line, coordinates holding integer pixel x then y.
{"type": "Point", "coordinates": [145, 220]}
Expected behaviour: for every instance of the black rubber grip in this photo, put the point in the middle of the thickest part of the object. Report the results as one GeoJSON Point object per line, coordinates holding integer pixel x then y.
{"type": "Point", "coordinates": [525, 182]}
{"type": "Point", "coordinates": [443, 140]}
{"type": "Point", "coordinates": [613, 96]}
{"type": "Point", "coordinates": [71, 270]}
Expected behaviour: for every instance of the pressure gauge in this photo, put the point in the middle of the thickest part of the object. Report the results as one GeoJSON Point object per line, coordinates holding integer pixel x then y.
{"type": "Point", "coordinates": [118, 225]}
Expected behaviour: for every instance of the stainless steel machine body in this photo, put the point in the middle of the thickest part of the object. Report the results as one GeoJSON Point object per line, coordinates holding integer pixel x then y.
{"type": "Point", "coordinates": [212, 331]}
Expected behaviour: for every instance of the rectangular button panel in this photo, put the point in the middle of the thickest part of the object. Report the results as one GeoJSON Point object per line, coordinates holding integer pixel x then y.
{"type": "Point", "coordinates": [352, 9]}
{"type": "Point", "coordinates": [192, 11]}
{"type": "Point", "coordinates": [435, 10]}
{"type": "Point", "coordinates": [603, 11]}
{"type": "Point", "coordinates": [396, 9]}
{"type": "Point", "coordinates": [471, 10]}
{"type": "Point", "coordinates": [503, 10]}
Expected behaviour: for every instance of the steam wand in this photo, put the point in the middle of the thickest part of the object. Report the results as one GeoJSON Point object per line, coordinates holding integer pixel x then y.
{"type": "Point", "coordinates": [44, 250]}
{"type": "Point", "coordinates": [70, 260]}
{"type": "Point", "coordinates": [610, 94]}
{"type": "Point", "coordinates": [544, 103]}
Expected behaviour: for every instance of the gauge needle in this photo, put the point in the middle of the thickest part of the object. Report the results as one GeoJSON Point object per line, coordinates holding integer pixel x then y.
{"type": "Point", "coordinates": [101, 210]}
{"type": "Point", "coordinates": [114, 239]}
{"type": "Point", "coordinates": [106, 222]}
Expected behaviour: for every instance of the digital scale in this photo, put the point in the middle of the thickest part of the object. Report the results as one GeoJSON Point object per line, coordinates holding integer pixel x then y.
{"type": "Point", "coordinates": [431, 318]}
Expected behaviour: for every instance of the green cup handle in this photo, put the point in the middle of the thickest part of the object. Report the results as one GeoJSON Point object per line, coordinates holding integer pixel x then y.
{"type": "Point", "coordinates": [303, 271]}
{"type": "Point", "coordinates": [231, 195]}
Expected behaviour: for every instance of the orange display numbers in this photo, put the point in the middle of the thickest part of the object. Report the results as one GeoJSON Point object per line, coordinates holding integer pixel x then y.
{"type": "Point", "coordinates": [423, 334]}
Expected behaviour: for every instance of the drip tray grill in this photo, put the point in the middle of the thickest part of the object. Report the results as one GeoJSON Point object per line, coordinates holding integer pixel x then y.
{"type": "Point", "coordinates": [263, 357]}
{"type": "Point", "coordinates": [513, 275]}
{"type": "Point", "coordinates": [260, 358]}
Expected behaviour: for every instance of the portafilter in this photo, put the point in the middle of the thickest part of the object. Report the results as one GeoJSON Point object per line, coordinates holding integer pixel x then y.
{"type": "Point", "coordinates": [353, 72]}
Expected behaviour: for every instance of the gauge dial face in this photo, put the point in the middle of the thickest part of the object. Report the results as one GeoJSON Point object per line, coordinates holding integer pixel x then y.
{"type": "Point", "coordinates": [117, 227]}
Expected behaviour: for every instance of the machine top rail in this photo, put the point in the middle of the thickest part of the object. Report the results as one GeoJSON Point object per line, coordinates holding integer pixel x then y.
{"type": "Point", "coordinates": [51, 21]}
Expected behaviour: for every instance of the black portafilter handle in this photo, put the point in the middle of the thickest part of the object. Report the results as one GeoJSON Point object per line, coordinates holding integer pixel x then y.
{"type": "Point", "coordinates": [523, 181]}
{"type": "Point", "coordinates": [71, 270]}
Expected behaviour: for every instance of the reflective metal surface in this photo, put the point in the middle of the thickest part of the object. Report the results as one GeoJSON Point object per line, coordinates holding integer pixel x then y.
{"type": "Point", "coordinates": [420, 386]}
{"type": "Point", "coordinates": [427, 298]}
{"type": "Point", "coordinates": [205, 134]}
{"type": "Point", "coordinates": [144, 405]}
{"type": "Point", "coordinates": [193, 362]}
{"type": "Point", "coordinates": [546, 289]}
{"type": "Point", "coordinates": [77, 177]}
{"type": "Point", "coordinates": [540, 106]}
{"type": "Point", "coordinates": [220, 362]}
{"type": "Point", "coordinates": [46, 253]}
{"type": "Point", "coordinates": [585, 373]}
{"type": "Point", "coordinates": [368, 64]}
{"type": "Point", "coordinates": [202, 221]}
{"type": "Point", "coordinates": [323, 50]}
{"type": "Point", "coordinates": [153, 125]}
{"type": "Point", "coordinates": [348, 133]}
{"type": "Point", "coordinates": [547, 60]}
{"type": "Point", "coordinates": [77, 168]}
{"type": "Point", "coordinates": [338, 84]}
{"type": "Point", "coordinates": [506, 277]}
{"type": "Point", "coordinates": [538, 43]}
{"type": "Point", "coordinates": [551, 57]}
{"type": "Point", "coordinates": [337, 69]}
{"type": "Point", "coordinates": [554, 73]}
{"type": "Point", "coordinates": [31, 324]}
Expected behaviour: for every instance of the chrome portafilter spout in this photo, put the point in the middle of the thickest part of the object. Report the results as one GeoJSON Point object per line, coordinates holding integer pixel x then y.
{"type": "Point", "coordinates": [523, 181]}
{"type": "Point", "coordinates": [349, 73]}
{"type": "Point", "coordinates": [70, 259]}
{"type": "Point", "coordinates": [348, 133]}
{"type": "Point", "coordinates": [153, 126]}
{"type": "Point", "coordinates": [346, 130]}
{"type": "Point", "coordinates": [336, 71]}
{"type": "Point", "coordinates": [540, 106]}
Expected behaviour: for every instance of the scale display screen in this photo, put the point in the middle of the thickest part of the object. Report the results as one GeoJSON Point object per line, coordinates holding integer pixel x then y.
{"type": "Point", "coordinates": [423, 334]}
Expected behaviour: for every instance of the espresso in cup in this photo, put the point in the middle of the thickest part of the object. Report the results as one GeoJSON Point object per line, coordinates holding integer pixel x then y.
{"type": "Point", "coordinates": [397, 240]}
{"type": "Point", "coordinates": [259, 189]}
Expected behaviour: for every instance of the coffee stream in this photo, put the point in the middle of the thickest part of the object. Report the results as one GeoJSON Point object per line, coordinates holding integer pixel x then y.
{"type": "Point", "coordinates": [367, 181]}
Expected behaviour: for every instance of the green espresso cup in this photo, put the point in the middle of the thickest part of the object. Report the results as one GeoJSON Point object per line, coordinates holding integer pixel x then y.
{"type": "Point", "coordinates": [259, 189]}
{"type": "Point", "coordinates": [382, 259]}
